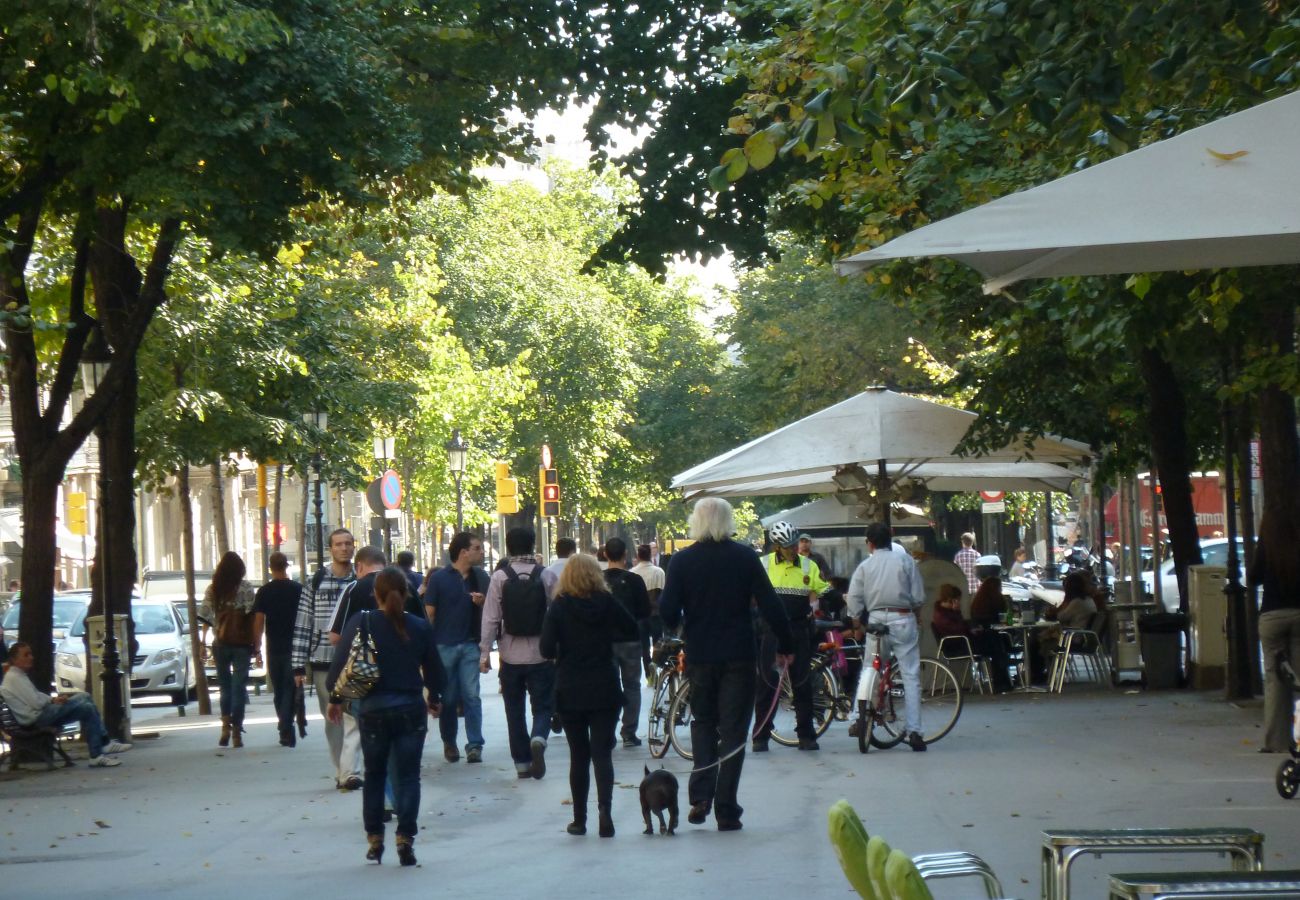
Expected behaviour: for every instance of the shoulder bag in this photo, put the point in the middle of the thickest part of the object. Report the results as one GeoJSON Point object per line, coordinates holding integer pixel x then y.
{"type": "Point", "coordinates": [361, 671]}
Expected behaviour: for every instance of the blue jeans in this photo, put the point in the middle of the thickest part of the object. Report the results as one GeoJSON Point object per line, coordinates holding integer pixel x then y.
{"type": "Point", "coordinates": [538, 682]}
{"type": "Point", "coordinates": [392, 742]}
{"type": "Point", "coordinates": [280, 667]}
{"type": "Point", "coordinates": [78, 708]}
{"type": "Point", "coordinates": [460, 661]}
{"type": "Point", "coordinates": [232, 675]}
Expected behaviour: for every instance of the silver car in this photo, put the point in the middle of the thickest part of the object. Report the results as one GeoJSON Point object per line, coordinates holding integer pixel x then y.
{"type": "Point", "coordinates": [161, 663]}
{"type": "Point", "coordinates": [1214, 552]}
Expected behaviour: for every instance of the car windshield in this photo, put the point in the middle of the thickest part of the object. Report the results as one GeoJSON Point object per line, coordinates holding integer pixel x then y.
{"type": "Point", "coordinates": [153, 619]}
{"type": "Point", "coordinates": [66, 611]}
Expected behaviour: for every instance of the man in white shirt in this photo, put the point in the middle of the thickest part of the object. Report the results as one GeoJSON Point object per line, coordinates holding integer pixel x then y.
{"type": "Point", "coordinates": [33, 707]}
{"type": "Point", "coordinates": [886, 589]}
{"type": "Point", "coordinates": [653, 576]}
{"type": "Point", "coordinates": [564, 548]}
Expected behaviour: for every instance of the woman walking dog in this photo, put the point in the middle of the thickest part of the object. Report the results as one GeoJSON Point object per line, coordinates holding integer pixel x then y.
{"type": "Point", "coordinates": [393, 716]}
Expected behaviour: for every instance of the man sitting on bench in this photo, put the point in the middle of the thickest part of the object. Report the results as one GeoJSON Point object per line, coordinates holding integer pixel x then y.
{"type": "Point", "coordinates": [39, 709]}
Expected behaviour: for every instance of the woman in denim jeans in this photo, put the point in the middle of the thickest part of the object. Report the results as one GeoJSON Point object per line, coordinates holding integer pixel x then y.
{"type": "Point", "coordinates": [393, 717]}
{"type": "Point", "coordinates": [228, 609]}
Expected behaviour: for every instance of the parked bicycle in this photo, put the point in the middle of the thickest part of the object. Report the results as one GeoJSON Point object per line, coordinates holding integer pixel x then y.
{"type": "Point", "coordinates": [669, 659]}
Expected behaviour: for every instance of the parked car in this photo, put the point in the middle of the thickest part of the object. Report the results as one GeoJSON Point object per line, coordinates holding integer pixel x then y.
{"type": "Point", "coordinates": [161, 663]}
{"type": "Point", "coordinates": [1214, 552]}
{"type": "Point", "coordinates": [68, 606]}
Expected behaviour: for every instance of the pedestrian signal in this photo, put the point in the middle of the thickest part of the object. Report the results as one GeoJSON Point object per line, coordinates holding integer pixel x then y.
{"type": "Point", "coordinates": [76, 502]}
{"type": "Point", "coordinates": [507, 491]}
{"type": "Point", "coordinates": [550, 492]}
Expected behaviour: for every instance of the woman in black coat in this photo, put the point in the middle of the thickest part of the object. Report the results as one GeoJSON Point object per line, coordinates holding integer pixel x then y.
{"type": "Point", "coordinates": [579, 632]}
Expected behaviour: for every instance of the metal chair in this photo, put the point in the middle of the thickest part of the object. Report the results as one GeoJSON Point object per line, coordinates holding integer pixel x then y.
{"type": "Point", "coordinates": [1085, 647]}
{"type": "Point", "coordinates": [957, 648]}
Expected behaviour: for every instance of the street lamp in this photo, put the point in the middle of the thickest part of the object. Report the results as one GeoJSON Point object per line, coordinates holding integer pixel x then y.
{"type": "Point", "coordinates": [96, 358]}
{"type": "Point", "coordinates": [386, 449]}
{"type": "Point", "coordinates": [318, 421]}
{"type": "Point", "coordinates": [456, 449]}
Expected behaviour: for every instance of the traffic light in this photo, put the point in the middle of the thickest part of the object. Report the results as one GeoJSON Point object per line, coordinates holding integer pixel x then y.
{"type": "Point", "coordinates": [507, 491]}
{"type": "Point", "coordinates": [76, 501]}
{"type": "Point", "coordinates": [550, 492]}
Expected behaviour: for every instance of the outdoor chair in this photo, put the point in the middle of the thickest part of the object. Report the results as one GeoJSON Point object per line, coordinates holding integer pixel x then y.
{"type": "Point", "coordinates": [35, 743]}
{"type": "Point", "coordinates": [1082, 648]}
{"type": "Point", "coordinates": [974, 669]}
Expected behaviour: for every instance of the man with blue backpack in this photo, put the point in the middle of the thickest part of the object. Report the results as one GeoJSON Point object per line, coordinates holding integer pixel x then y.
{"type": "Point", "coordinates": [516, 601]}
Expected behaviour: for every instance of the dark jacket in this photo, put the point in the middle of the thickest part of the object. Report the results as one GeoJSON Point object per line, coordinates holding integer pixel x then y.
{"type": "Point", "coordinates": [406, 667]}
{"type": "Point", "coordinates": [988, 605]}
{"type": "Point", "coordinates": [579, 634]}
{"type": "Point", "coordinates": [1261, 576]}
{"type": "Point", "coordinates": [448, 593]}
{"type": "Point", "coordinates": [710, 587]}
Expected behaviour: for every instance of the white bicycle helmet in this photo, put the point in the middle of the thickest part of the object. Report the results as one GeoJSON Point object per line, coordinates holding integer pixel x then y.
{"type": "Point", "coordinates": [783, 533]}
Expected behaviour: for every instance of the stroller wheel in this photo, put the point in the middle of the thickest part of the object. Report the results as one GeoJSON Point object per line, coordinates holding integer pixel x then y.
{"type": "Point", "coordinates": [1288, 778]}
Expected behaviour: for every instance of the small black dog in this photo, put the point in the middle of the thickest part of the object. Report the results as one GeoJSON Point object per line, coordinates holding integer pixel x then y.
{"type": "Point", "coordinates": [659, 792]}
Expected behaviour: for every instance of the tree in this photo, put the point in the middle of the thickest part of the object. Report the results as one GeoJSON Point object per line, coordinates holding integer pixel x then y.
{"type": "Point", "coordinates": [129, 125]}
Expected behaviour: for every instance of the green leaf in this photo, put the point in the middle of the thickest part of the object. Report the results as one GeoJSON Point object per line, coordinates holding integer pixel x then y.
{"type": "Point", "coordinates": [760, 150]}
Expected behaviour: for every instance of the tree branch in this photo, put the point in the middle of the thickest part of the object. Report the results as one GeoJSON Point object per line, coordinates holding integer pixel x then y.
{"type": "Point", "coordinates": [74, 341]}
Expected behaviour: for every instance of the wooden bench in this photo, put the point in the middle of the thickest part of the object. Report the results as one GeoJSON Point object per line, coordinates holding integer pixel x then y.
{"type": "Point", "coordinates": [37, 743]}
{"type": "Point", "coordinates": [1160, 885]}
{"type": "Point", "coordinates": [1061, 848]}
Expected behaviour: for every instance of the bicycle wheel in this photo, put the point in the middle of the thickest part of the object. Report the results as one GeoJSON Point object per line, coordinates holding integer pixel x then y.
{"type": "Point", "coordinates": [866, 724]}
{"type": "Point", "coordinates": [679, 722]}
{"type": "Point", "coordinates": [657, 732]}
{"type": "Point", "coordinates": [886, 729]}
{"type": "Point", "coordinates": [941, 702]}
{"type": "Point", "coordinates": [824, 691]}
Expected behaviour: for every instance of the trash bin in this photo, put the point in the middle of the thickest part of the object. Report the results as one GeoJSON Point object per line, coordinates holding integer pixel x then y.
{"type": "Point", "coordinates": [1162, 644]}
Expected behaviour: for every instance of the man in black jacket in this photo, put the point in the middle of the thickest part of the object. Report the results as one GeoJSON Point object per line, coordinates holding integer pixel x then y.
{"type": "Point", "coordinates": [630, 591]}
{"type": "Point", "coordinates": [709, 589]}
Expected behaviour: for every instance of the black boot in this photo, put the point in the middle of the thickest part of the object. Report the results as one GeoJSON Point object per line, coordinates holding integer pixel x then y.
{"type": "Point", "coordinates": [405, 850]}
{"type": "Point", "coordinates": [606, 822]}
{"type": "Point", "coordinates": [375, 853]}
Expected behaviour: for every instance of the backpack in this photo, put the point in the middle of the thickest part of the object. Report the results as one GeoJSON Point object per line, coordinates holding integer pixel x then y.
{"type": "Point", "coordinates": [523, 602]}
{"type": "Point", "coordinates": [637, 603]}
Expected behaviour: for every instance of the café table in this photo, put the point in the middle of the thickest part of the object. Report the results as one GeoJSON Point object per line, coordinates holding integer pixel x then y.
{"type": "Point", "coordinates": [1021, 631]}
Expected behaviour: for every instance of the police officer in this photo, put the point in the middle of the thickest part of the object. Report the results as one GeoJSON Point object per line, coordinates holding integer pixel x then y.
{"type": "Point", "coordinates": [798, 583]}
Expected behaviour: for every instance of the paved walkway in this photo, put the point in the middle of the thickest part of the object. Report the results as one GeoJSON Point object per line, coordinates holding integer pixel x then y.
{"type": "Point", "coordinates": [183, 818]}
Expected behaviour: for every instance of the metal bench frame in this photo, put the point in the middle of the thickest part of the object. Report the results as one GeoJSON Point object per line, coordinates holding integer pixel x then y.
{"type": "Point", "coordinates": [34, 743]}
{"type": "Point", "coordinates": [1170, 885]}
{"type": "Point", "coordinates": [1061, 848]}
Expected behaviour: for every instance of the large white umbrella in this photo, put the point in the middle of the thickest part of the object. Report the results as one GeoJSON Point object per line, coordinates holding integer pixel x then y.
{"type": "Point", "coordinates": [1222, 195]}
{"type": "Point", "coordinates": [873, 431]}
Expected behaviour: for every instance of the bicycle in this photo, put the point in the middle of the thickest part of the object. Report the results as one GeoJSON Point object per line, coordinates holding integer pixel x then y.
{"type": "Point", "coordinates": [669, 659]}
{"type": "Point", "coordinates": [830, 702]}
{"type": "Point", "coordinates": [880, 696]}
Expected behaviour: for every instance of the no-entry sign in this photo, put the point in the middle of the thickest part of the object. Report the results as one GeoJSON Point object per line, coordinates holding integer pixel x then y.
{"type": "Point", "coordinates": [994, 501]}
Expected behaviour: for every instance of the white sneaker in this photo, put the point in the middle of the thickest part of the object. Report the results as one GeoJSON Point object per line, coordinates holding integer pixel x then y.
{"type": "Point", "coordinates": [104, 761]}
{"type": "Point", "coordinates": [116, 747]}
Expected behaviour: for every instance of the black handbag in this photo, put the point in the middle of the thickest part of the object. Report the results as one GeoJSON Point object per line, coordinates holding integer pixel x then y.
{"type": "Point", "coordinates": [361, 671]}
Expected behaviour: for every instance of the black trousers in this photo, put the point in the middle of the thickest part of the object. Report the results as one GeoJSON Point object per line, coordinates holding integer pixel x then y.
{"type": "Point", "coordinates": [769, 680]}
{"type": "Point", "coordinates": [591, 745]}
{"type": "Point", "coordinates": [721, 698]}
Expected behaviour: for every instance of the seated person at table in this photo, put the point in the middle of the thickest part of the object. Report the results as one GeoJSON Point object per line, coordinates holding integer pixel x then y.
{"type": "Point", "coordinates": [988, 606]}
{"type": "Point", "coordinates": [1076, 611]}
{"type": "Point", "coordinates": [948, 622]}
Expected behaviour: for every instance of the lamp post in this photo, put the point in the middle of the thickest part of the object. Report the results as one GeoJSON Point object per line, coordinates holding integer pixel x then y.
{"type": "Point", "coordinates": [95, 360]}
{"type": "Point", "coordinates": [456, 448]}
{"type": "Point", "coordinates": [385, 448]}
{"type": "Point", "coordinates": [319, 421]}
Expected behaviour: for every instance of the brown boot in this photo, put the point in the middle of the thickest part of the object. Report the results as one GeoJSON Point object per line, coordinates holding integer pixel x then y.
{"type": "Point", "coordinates": [405, 850]}
{"type": "Point", "coordinates": [236, 734]}
{"type": "Point", "coordinates": [224, 740]}
{"type": "Point", "coordinates": [375, 851]}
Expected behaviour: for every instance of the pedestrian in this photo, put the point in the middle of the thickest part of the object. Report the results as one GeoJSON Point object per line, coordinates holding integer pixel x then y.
{"type": "Point", "coordinates": [806, 549]}
{"type": "Point", "coordinates": [313, 651]}
{"type": "Point", "coordinates": [583, 627]}
{"type": "Point", "coordinates": [965, 560]}
{"type": "Point", "coordinates": [37, 708]}
{"type": "Point", "coordinates": [710, 588]}
{"type": "Point", "coordinates": [1279, 629]}
{"type": "Point", "coordinates": [275, 611]}
{"type": "Point", "coordinates": [406, 562]}
{"type": "Point", "coordinates": [564, 548]}
{"type": "Point", "coordinates": [653, 576]}
{"type": "Point", "coordinates": [629, 591]}
{"type": "Point", "coordinates": [453, 603]}
{"type": "Point", "coordinates": [886, 589]}
{"type": "Point", "coordinates": [393, 716]}
{"type": "Point", "coordinates": [228, 609]}
{"type": "Point", "coordinates": [797, 580]}
{"type": "Point", "coordinates": [512, 617]}
{"type": "Point", "coordinates": [359, 595]}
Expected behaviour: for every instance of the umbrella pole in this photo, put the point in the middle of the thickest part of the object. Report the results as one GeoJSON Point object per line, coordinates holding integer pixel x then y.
{"type": "Point", "coordinates": [882, 491]}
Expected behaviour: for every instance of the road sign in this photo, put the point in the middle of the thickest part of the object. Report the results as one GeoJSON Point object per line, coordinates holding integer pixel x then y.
{"type": "Point", "coordinates": [390, 490]}
{"type": "Point", "coordinates": [993, 496]}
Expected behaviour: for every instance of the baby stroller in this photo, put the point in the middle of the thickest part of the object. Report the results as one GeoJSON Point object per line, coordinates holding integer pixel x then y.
{"type": "Point", "coordinates": [1288, 774]}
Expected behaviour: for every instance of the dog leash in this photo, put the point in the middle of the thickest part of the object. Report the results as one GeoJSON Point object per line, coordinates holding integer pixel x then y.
{"type": "Point", "coordinates": [771, 711]}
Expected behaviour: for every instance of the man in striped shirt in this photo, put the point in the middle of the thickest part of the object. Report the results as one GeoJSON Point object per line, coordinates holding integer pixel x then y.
{"type": "Point", "coordinates": [313, 652]}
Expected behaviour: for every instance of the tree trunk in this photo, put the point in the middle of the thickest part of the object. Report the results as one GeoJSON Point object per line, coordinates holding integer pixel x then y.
{"type": "Point", "coordinates": [1173, 462]}
{"type": "Point", "coordinates": [1246, 505]}
{"type": "Point", "coordinates": [277, 508]}
{"type": "Point", "coordinates": [1279, 450]}
{"type": "Point", "coordinates": [36, 620]}
{"type": "Point", "coordinates": [220, 527]}
{"type": "Point", "coordinates": [191, 601]}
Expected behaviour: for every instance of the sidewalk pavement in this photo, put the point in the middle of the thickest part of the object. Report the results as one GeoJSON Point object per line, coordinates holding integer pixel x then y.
{"type": "Point", "coordinates": [183, 818]}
